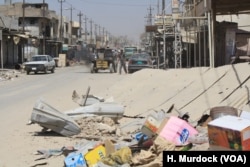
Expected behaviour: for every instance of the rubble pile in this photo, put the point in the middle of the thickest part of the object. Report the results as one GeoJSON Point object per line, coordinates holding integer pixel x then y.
{"type": "Point", "coordinates": [97, 127]}
{"type": "Point", "coordinates": [9, 75]}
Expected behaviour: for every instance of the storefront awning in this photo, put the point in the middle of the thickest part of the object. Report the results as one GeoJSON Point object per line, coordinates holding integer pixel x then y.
{"type": "Point", "coordinates": [22, 35]}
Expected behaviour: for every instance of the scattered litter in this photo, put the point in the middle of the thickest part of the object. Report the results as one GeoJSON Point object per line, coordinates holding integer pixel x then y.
{"type": "Point", "coordinates": [140, 141]}
{"type": "Point", "coordinates": [6, 75]}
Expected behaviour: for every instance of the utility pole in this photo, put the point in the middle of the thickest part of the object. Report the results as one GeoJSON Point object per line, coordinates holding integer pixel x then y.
{"type": "Point", "coordinates": [150, 36]}
{"type": "Point", "coordinates": [103, 39]}
{"type": "Point", "coordinates": [164, 37]}
{"type": "Point", "coordinates": [86, 31]}
{"type": "Point", "coordinates": [23, 14]}
{"type": "Point", "coordinates": [80, 22]}
{"type": "Point", "coordinates": [43, 28]}
{"type": "Point", "coordinates": [99, 30]}
{"type": "Point", "coordinates": [61, 22]}
{"type": "Point", "coordinates": [95, 32]}
{"type": "Point", "coordinates": [91, 39]}
{"type": "Point", "coordinates": [107, 39]}
{"type": "Point", "coordinates": [23, 30]}
{"type": "Point", "coordinates": [71, 23]}
{"type": "Point", "coordinates": [158, 7]}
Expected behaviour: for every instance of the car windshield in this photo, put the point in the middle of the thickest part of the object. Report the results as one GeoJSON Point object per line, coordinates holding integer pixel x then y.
{"type": "Point", "coordinates": [130, 50]}
{"type": "Point", "coordinates": [140, 56]}
{"type": "Point", "coordinates": [38, 58]}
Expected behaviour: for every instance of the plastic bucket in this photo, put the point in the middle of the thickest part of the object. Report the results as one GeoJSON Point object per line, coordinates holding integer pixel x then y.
{"type": "Point", "coordinates": [220, 111]}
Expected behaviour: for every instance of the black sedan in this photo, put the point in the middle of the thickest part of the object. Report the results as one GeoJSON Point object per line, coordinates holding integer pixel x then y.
{"type": "Point", "coordinates": [139, 61]}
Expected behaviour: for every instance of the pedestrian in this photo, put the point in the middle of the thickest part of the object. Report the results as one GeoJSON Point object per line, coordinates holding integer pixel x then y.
{"type": "Point", "coordinates": [122, 62]}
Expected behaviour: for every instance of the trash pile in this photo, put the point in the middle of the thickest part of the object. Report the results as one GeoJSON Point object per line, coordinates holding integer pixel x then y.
{"type": "Point", "coordinates": [8, 75]}
{"type": "Point", "coordinates": [103, 141]}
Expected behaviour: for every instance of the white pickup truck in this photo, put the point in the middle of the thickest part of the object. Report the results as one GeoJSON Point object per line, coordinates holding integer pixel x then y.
{"type": "Point", "coordinates": [40, 63]}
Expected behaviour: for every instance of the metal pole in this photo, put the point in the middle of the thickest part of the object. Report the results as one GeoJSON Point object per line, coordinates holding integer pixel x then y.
{"type": "Point", "coordinates": [61, 22]}
{"type": "Point", "coordinates": [80, 26]}
{"type": "Point", "coordinates": [71, 26]}
{"type": "Point", "coordinates": [86, 31]}
{"type": "Point", "coordinates": [43, 27]}
{"type": "Point", "coordinates": [23, 31]}
{"type": "Point", "coordinates": [204, 45]}
{"type": "Point", "coordinates": [164, 36]}
{"type": "Point", "coordinates": [1, 36]}
{"type": "Point", "coordinates": [23, 13]}
{"type": "Point", "coordinates": [199, 38]}
{"type": "Point", "coordinates": [210, 40]}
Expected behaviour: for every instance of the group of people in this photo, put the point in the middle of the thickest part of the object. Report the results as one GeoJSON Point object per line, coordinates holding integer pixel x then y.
{"type": "Point", "coordinates": [121, 62]}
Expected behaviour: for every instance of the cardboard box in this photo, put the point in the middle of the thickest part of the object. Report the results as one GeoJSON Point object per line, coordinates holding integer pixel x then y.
{"type": "Point", "coordinates": [177, 131]}
{"type": "Point", "coordinates": [95, 155]}
{"type": "Point", "coordinates": [150, 126]}
{"type": "Point", "coordinates": [229, 133]}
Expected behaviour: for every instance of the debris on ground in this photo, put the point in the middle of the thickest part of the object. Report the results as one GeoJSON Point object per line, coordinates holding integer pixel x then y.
{"type": "Point", "coordinates": [6, 75]}
{"type": "Point", "coordinates": [140, 141]}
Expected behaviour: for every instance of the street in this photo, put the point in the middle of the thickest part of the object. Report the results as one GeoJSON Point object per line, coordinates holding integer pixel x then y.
{"type": "Point", "coordinates": [19, 96]}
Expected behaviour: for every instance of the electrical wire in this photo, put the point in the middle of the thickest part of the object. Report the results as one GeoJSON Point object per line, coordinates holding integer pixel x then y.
{"type": "Point", "coordinates": [115, 4]}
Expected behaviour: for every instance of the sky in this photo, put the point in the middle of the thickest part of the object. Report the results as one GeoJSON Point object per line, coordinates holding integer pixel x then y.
{"type": "Point", "coordinates": [118, 17]}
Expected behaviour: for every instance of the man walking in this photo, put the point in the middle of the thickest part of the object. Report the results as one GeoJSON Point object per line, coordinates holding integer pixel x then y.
{"type": "Point", "coordinates": [122, 61]}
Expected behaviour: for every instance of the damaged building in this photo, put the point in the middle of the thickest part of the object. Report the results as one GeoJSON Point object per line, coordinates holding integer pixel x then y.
{"type": "Point", "coordinates": [201, 33]}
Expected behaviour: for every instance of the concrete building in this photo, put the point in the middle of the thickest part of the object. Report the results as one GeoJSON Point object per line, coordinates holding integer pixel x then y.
{"type": "Point", "coordinates": [202, 33]}
{"type": "Point", "coordinates": [10, 40]}
{"type": "Point", "coordinates": [39, 29]}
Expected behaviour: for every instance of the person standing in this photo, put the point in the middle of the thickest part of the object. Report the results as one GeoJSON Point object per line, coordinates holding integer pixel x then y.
{"type": "Point", "coordinates": [122, 62]}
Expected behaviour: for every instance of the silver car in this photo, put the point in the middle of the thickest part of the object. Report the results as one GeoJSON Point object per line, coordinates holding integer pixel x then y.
{"type": "Point", "coordinates": [40, 63]}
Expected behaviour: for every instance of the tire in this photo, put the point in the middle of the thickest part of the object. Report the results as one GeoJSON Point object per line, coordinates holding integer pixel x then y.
{"type": "Point", "coordinates": [27, 72]}
{"type": "Point", "coordinates": [53, 70]}
{"type": "Point", "coordinates": [46, 70]}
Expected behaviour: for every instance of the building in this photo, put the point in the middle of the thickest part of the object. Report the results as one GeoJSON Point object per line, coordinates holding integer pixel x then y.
{"type": "Point", "coordinates": [39, 30]}
{"type": "Point", "coordinates": [10, 41]}
{"type": "Point", "coordinates": [205, 32]}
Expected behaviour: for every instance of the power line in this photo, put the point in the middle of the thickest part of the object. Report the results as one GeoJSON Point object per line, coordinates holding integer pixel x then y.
{"type": "Point", "coordinates": [115, 4]}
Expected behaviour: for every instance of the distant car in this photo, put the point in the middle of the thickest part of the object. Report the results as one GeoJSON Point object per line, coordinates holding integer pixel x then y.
{"type": "Point", "coordinates": [40, 63]}
{"type": "Point", "coordinates": [139, 61]}
{"type": "Point", "coordinates": [129, 51]}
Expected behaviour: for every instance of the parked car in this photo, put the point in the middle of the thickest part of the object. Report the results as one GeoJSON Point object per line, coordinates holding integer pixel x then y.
{"type": "Point", "coordinates": [139, 61]}
{"type": "Point", "coordinates": [40, 63]}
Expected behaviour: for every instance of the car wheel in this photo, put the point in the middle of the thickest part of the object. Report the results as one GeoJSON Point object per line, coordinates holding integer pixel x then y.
{"type": "Point", "coordinates": [46, 70]}
{"type": "Point", "coordinates": [27, 72]}
{"type": "Point", "coordinates": [53, 70]}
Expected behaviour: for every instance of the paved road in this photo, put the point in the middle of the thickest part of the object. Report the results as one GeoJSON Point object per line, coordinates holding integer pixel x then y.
{"type": "Point", "coordinates": [18, 97]}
